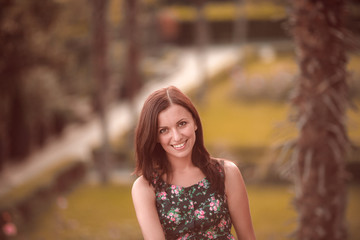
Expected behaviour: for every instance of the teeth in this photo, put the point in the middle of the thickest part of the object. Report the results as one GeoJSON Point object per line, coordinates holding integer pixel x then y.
{"type": "Point", "coordinates": [179, 145]}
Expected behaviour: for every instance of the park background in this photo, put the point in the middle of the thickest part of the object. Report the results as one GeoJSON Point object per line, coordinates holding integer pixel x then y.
{"type": "Point", "coordinates": [67, 118]}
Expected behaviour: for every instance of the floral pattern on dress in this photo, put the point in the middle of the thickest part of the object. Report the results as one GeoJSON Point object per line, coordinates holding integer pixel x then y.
{"type": "Point", "coordinates": [195, 212]}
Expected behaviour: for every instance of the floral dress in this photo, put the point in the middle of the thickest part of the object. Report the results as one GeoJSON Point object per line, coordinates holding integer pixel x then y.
{"type": "Point", "coordinates": [195, 212]}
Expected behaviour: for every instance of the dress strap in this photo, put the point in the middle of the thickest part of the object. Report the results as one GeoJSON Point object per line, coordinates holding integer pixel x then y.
{"type": "Point", "coordinates": [154, 181]}
{"type": "Point", "coordinates": [222, 163]}
{"type": "Point", "coordinates": [220, 167]}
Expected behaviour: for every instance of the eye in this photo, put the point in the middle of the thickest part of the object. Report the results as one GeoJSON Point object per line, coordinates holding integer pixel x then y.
{"type": "Point", "coordinates": [182, 123]}
{"type": "Point", "coordinates": [162, 130]}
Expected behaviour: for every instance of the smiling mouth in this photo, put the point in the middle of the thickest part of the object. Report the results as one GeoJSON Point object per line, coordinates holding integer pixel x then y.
{"type": "Point", "coordinates": [179, 146]}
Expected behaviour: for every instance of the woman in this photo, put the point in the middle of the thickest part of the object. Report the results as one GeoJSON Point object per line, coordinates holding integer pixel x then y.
{"type": "Point", "coordinates": [182, 192]}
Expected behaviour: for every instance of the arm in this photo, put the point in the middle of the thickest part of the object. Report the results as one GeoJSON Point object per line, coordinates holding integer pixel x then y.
{"type": "Point", "coordinates": [238, 202]}
{"type": "Point", "coordinates": [144, 202]}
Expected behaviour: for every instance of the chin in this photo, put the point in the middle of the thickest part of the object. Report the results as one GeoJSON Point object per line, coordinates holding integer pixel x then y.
{"type": "Point", "coordinates": [184, 154]}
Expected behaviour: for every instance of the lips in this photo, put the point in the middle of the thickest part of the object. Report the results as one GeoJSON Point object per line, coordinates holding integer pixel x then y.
{"type": "Point", "coordinates": [179, 146]}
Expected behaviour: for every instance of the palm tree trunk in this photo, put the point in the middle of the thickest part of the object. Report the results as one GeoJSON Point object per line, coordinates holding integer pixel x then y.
{"type": "Point", "coordinates": [321, 100]}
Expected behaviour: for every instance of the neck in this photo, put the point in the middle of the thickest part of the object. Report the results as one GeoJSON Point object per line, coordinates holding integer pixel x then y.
{"type": "Point", "coordinates": [180, 164]}
{"type": "Point", "coordinates": [183, 172]}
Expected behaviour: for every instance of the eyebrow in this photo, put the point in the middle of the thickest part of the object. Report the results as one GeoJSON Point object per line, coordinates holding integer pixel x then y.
{"type": "Point", "coordinates": [182, 119]}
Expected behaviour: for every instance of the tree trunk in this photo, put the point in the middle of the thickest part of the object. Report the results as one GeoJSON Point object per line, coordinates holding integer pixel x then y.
{"type": "Point", "coordinates": [321, 100]}
{"type": "Point", "coordinates": [202, 39]}
{"type": "Point", "coordinates": [132, 77]}
{"type": "Point", "coordinates": [240, 23]}
{"type": "Point", "coordinates": [101, 78]}
{"type": "Point", "coordinates": [17, 130]}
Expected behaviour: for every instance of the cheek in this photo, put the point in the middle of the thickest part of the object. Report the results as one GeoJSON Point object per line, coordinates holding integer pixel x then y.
{"type": "Point", "coordinates": [191, 130]}
{"type": "Point", "coordinates": [162, 139]}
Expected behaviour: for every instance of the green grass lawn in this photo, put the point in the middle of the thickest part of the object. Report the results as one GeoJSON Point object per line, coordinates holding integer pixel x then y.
{"type": "Point", "coordinates": [236, 122]}
{"type": "Point", "coordinates": [90, 212]}
{"type": "Point", "coordinates": [106, 213]}
{"type": "Point", "coordinates": [240, 123]}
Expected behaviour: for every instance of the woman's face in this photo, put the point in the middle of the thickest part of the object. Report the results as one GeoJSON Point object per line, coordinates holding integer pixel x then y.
{"type": "Point", "coordinates": [176, 131]}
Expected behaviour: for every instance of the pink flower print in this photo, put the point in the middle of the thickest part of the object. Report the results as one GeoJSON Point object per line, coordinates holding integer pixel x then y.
{"type": "Point", "coordinates": [175, 189]}
{"type": "Point", "coordinates": [200, 214]}
{"type": "Point", "coordinates": [186, 236]}
{"type": "Point", "coordinates": [222, 223]}
{"type": "Point", "coordinates": [214, 205]}
{"type": "Point", "coordinates": [173, 215]}
{"type": "Point", "coordinates": [210, 234]}
{"type": "Point", "coordinates": [162, 195]}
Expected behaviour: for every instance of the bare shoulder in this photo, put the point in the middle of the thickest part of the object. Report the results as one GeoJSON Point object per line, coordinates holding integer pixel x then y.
{"type": "Point", "coordinates": [142, 188]}
{"type": "Point", "coordinates": [140, 181]}
{"type": "Point", "coordinates": [232, 174]}
{"type": "Point", "coordinates": [230, 167]}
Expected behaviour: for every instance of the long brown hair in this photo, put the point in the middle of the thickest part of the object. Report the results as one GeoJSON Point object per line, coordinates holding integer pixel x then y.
{"type": "Point", "coordinates": [151, 157]}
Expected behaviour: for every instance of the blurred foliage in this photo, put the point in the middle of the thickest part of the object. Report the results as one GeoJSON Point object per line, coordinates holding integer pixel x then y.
{"type": "Point", "coordinates": [43, 64]}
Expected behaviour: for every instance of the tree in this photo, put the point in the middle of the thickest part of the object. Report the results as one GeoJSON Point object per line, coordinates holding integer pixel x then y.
{"type": "Point", "coordinates": [132, 77]}
{"type": "Point", "coordinates": [201, 41]}
{"type": "Point", "coordinates": [320, 100]}
{"type": "Point", "coordinates": [24, 37]}
{"type": "Point", "coordinates": [240, 23]}
{"type": "Point", "coordinates": [100, 43]}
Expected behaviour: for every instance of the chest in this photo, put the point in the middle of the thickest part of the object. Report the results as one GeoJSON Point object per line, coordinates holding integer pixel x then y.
{"type": "Point", "coordinates": [193, 209]}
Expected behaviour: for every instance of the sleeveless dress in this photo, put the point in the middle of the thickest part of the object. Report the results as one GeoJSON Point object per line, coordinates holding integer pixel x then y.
{"type": "Point", "coordinates": [194, 212]}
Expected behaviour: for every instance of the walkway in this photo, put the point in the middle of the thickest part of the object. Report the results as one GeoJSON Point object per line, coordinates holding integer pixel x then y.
{"type": "Point", "coordinates": [78, 140]}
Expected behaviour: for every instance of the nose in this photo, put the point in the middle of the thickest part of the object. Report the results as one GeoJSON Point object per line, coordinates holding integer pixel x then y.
{"type": "Point", "coordinates": [176, 135]}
